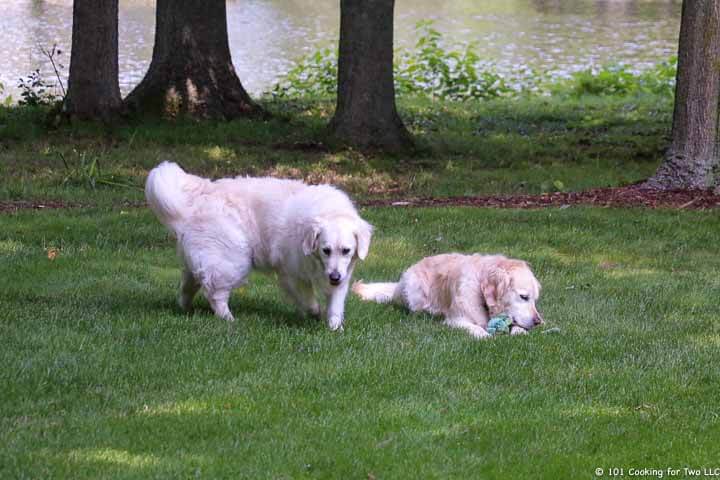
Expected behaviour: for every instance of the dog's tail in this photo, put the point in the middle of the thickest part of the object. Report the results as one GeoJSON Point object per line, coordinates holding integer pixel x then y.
{"type": "Point", "coordinates": [167, 191]}
{"type": "Point", "coordinates": [375, 292]}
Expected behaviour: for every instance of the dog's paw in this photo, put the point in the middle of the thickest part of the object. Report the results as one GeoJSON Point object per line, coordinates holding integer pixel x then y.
{"type": "Point", "coordinates": [479, 333]}
{"type": "Point", "coordinates": [515, 330]}
{"type": "Point", "coordinates": [335, 324]}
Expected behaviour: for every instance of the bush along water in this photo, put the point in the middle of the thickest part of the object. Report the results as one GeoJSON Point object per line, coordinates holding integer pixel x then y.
{"type": "Point", "coordinates": [457, 73]}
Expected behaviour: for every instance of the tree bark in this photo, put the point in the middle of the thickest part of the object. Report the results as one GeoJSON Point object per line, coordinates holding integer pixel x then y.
{"type": "Point", "coordinates": [191, 72]}
{"type": "Point", "coordinates": [693, 153]}
{"type": "Point", "coordinates": [93, 89]}
{"type": "Point", "coordinates": [366, 116]}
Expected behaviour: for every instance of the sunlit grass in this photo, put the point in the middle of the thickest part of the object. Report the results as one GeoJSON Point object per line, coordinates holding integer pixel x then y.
{"type": "Point", "coordinates": [114, 457]}
{"type": "Point", "coordinates": [103, 377]}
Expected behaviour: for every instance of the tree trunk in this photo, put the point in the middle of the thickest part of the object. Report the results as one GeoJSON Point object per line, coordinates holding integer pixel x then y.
{"type": "Point", "coordinates": [191, 72]}
{"type": "Point", "coordinates": [366, 116]}
{"type": "Point", "coordinates": [693, 153]}
{"type": "Point", "coordinates": [93, 89]}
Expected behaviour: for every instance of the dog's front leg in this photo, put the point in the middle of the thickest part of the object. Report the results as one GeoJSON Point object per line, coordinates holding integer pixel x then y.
{"type": "Point", "coordinates": [474, 329]}
{"type": "Point", "coordinates": [336, 305]}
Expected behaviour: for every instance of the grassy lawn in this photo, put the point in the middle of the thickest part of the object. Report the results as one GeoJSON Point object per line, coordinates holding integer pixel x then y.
{"type": "Point", "coordinates": [520, 146]}
{"type": "Point", "coordinates": [103, 378]}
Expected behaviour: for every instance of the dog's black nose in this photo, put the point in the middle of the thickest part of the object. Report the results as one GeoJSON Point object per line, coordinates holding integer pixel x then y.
{"type": "Point", "coordinates": [335, 278]}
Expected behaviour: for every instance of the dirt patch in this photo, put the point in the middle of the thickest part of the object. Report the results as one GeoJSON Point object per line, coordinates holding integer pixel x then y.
{"type": "Point", "coordinates": [629, 196]}
{"type": "Point", "coordinates": [12, 206]}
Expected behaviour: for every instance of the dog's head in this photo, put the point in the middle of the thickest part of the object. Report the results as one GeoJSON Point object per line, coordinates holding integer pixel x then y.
{"type": "Point", "coordinates": [337, 242]}
{"type": "Point", "coordinates": [511, 288]}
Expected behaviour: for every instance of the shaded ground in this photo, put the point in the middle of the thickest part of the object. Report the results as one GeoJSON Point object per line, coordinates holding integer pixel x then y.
{"type": "Point", "coordinates": [629, 196]}
{"type": "Point", "coordinates": [503, 148]}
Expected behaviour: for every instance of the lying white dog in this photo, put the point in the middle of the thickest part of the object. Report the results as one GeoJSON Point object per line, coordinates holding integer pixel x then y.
{"type": "Point", "coordinates": [467, 289]}
{"type": "Point", "coordinates": [310, 235]}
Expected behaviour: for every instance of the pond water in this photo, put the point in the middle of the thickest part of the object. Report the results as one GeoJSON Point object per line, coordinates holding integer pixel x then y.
{"type": "Point", "coordinates": [268, 36]}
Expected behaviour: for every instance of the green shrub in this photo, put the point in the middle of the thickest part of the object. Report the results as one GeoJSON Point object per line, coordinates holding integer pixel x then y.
{"type": "Point", "coordinates": [428, 69]}
{"type": "Point", "coordinates": [314, 75]}
{"type": "Point", "coordinates": [457, 73]}
{"type": "Point", "coordinates": [452, 74]}
{"type": "Point", "coordinates": [619, 80]}
{"type": "Point", "coordinates": [36, 91]}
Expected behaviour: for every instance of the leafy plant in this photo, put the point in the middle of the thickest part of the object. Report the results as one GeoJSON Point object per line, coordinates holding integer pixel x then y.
{"type": "Point", "coordinates": [314, 75]}
{"type": "Point", "coordinates": [428, 69]}
{"type": "Point", "coordinates": [452, 74]}
{"type": "Point", "coordinates": [620, 80]}
{"type": "Point", "coordinates": [35, 90]}
{"type": "Point", "coordinates": [84, 170]}
{"type": "Point", "coordinates": [457, 73]}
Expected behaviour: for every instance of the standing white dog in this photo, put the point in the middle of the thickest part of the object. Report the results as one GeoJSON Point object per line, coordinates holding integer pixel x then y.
{"type": "Point", "coordinates": [310, 235]}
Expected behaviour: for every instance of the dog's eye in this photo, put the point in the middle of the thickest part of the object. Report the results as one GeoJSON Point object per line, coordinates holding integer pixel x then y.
{"type": "Point", "coordinates": [525, 297]}
{"type": "Point", "coordinates": [327, 251]}
{"type": "Point", "coordinates": [345, 251]}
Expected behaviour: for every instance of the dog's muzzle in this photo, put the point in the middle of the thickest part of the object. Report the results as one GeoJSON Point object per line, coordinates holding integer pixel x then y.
{"type": "Point", "coordinates": [335, 278]}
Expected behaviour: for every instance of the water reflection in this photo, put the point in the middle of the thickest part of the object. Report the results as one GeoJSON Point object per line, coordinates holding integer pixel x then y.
{"type": "Point", "coordinates": [267, 36]}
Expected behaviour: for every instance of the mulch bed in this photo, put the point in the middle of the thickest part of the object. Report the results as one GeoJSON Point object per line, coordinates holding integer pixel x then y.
{"type": "Point", "coordinates": [12, 206]}
{"type": "Point", "coordinates": [629, 196]}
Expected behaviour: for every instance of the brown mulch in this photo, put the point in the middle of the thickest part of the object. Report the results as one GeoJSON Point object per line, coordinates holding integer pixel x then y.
{"type": "Point", "coordinates": [12, 206]}
{"type": "Point", "coordinates": [629, 196]}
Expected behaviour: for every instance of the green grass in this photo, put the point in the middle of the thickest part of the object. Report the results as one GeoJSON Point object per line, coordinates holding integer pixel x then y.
{"type": "Point", "coordinates": [528, 145]}
{"type": "Point", "coordinates": [103, 378]}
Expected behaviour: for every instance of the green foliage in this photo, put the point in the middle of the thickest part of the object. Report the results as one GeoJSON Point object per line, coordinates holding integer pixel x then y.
{"type": "Point", "coordinates": [620, 80]}
{"type": "Point", "coordinates": [457, 73]}
{"type": "Point", "coordinates": [36, 91]}
{"type": "Point", "coordinates": [314, 75]}
{"type": "Point", "coordinates": [451, 74]}
{"type": "Point", "coordinates": [83, 169]}
{"type": "Point", "coordinates": [428, 69]}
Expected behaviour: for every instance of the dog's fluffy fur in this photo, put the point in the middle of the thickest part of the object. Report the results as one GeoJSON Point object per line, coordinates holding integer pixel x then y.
{"type": "Point", "coordinates": [466, 289]}
{"type": "Point", "coordinates": [310, 235]}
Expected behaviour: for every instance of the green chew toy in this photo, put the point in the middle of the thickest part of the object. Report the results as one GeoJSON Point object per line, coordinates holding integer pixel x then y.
{"type": "Point", "coordinates": [499, 324]}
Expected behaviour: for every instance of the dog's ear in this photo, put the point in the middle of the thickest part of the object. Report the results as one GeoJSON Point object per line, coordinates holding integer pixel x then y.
{"type": "Point", "coordinates": [493, 287]}
{"type": "Point", "coordinates": [363, 233]}
{"type": "Point", "coordinates": [310, 240]}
